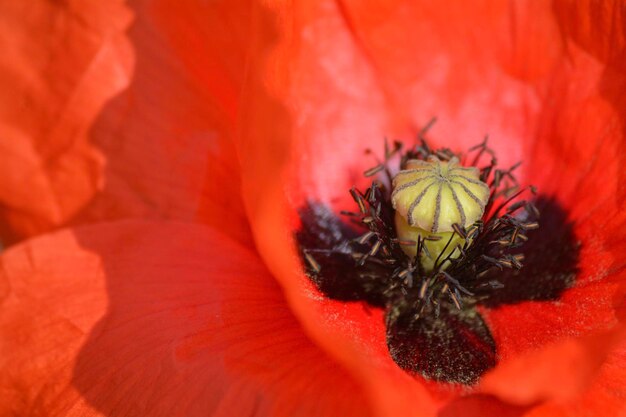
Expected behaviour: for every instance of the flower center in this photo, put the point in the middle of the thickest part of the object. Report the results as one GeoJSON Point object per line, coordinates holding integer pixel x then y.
{"type": "Point", "coordinates": [430, 244]}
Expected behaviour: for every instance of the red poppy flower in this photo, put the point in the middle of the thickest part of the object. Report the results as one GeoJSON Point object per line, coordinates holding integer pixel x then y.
{"type": "Point", "coordinates": [155, 156]}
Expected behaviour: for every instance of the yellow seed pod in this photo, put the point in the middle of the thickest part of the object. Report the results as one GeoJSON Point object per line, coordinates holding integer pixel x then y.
{"type": "Point", "coordinates": [429, 198]}
{"type": "Point", "coordinates": [433, 195]}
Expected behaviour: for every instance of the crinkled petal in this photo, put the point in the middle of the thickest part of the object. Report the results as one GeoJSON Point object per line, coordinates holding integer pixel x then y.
{"type": "Point", "coordinates": [60, 64]}
{"type": "Point", "coordinates": [168, 137]}
{"type": "Point", "coordinates": [156, 319]}
{"type": "Point", "coordinates": [78, 152]}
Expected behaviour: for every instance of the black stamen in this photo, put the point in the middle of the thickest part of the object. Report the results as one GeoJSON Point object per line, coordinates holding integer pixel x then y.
{"type": "Point", "coordinates": [373, 171]}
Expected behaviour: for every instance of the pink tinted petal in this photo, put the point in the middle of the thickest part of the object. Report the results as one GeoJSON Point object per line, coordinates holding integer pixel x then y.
{"type": "Point", "coordinates": [155, 319]}
{"type": "Point", "coordinates": [316, 104]}
{"type": "Point", "coordinates": [474, 66]}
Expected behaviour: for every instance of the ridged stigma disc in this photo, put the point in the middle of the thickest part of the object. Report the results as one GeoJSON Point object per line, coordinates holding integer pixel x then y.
{"type": "Point", "coordinates": [433, 195]}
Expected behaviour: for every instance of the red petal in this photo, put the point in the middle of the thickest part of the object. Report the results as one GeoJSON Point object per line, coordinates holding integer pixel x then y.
{"type": "Point", "coordinates": [604, 397]}
{"type": "Point", "coordinates": [530, 378]}
{"type": "Point", "coordinates": [579, 157]}
{"type": "Point", "coordinates": [498, 68]}
{"type": "Point", "coordinates": [159, 150]}
{"type": "Point", "coordinates": [167, 138]}
{"type": "Point", "coordinates": [61, 63]}
{"type": "Point", "coordinates": [478, 405]}
{"type": "Point", "coordinates": [597, 27]}
{"type": "Point", "coordinates": [155, 319]}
